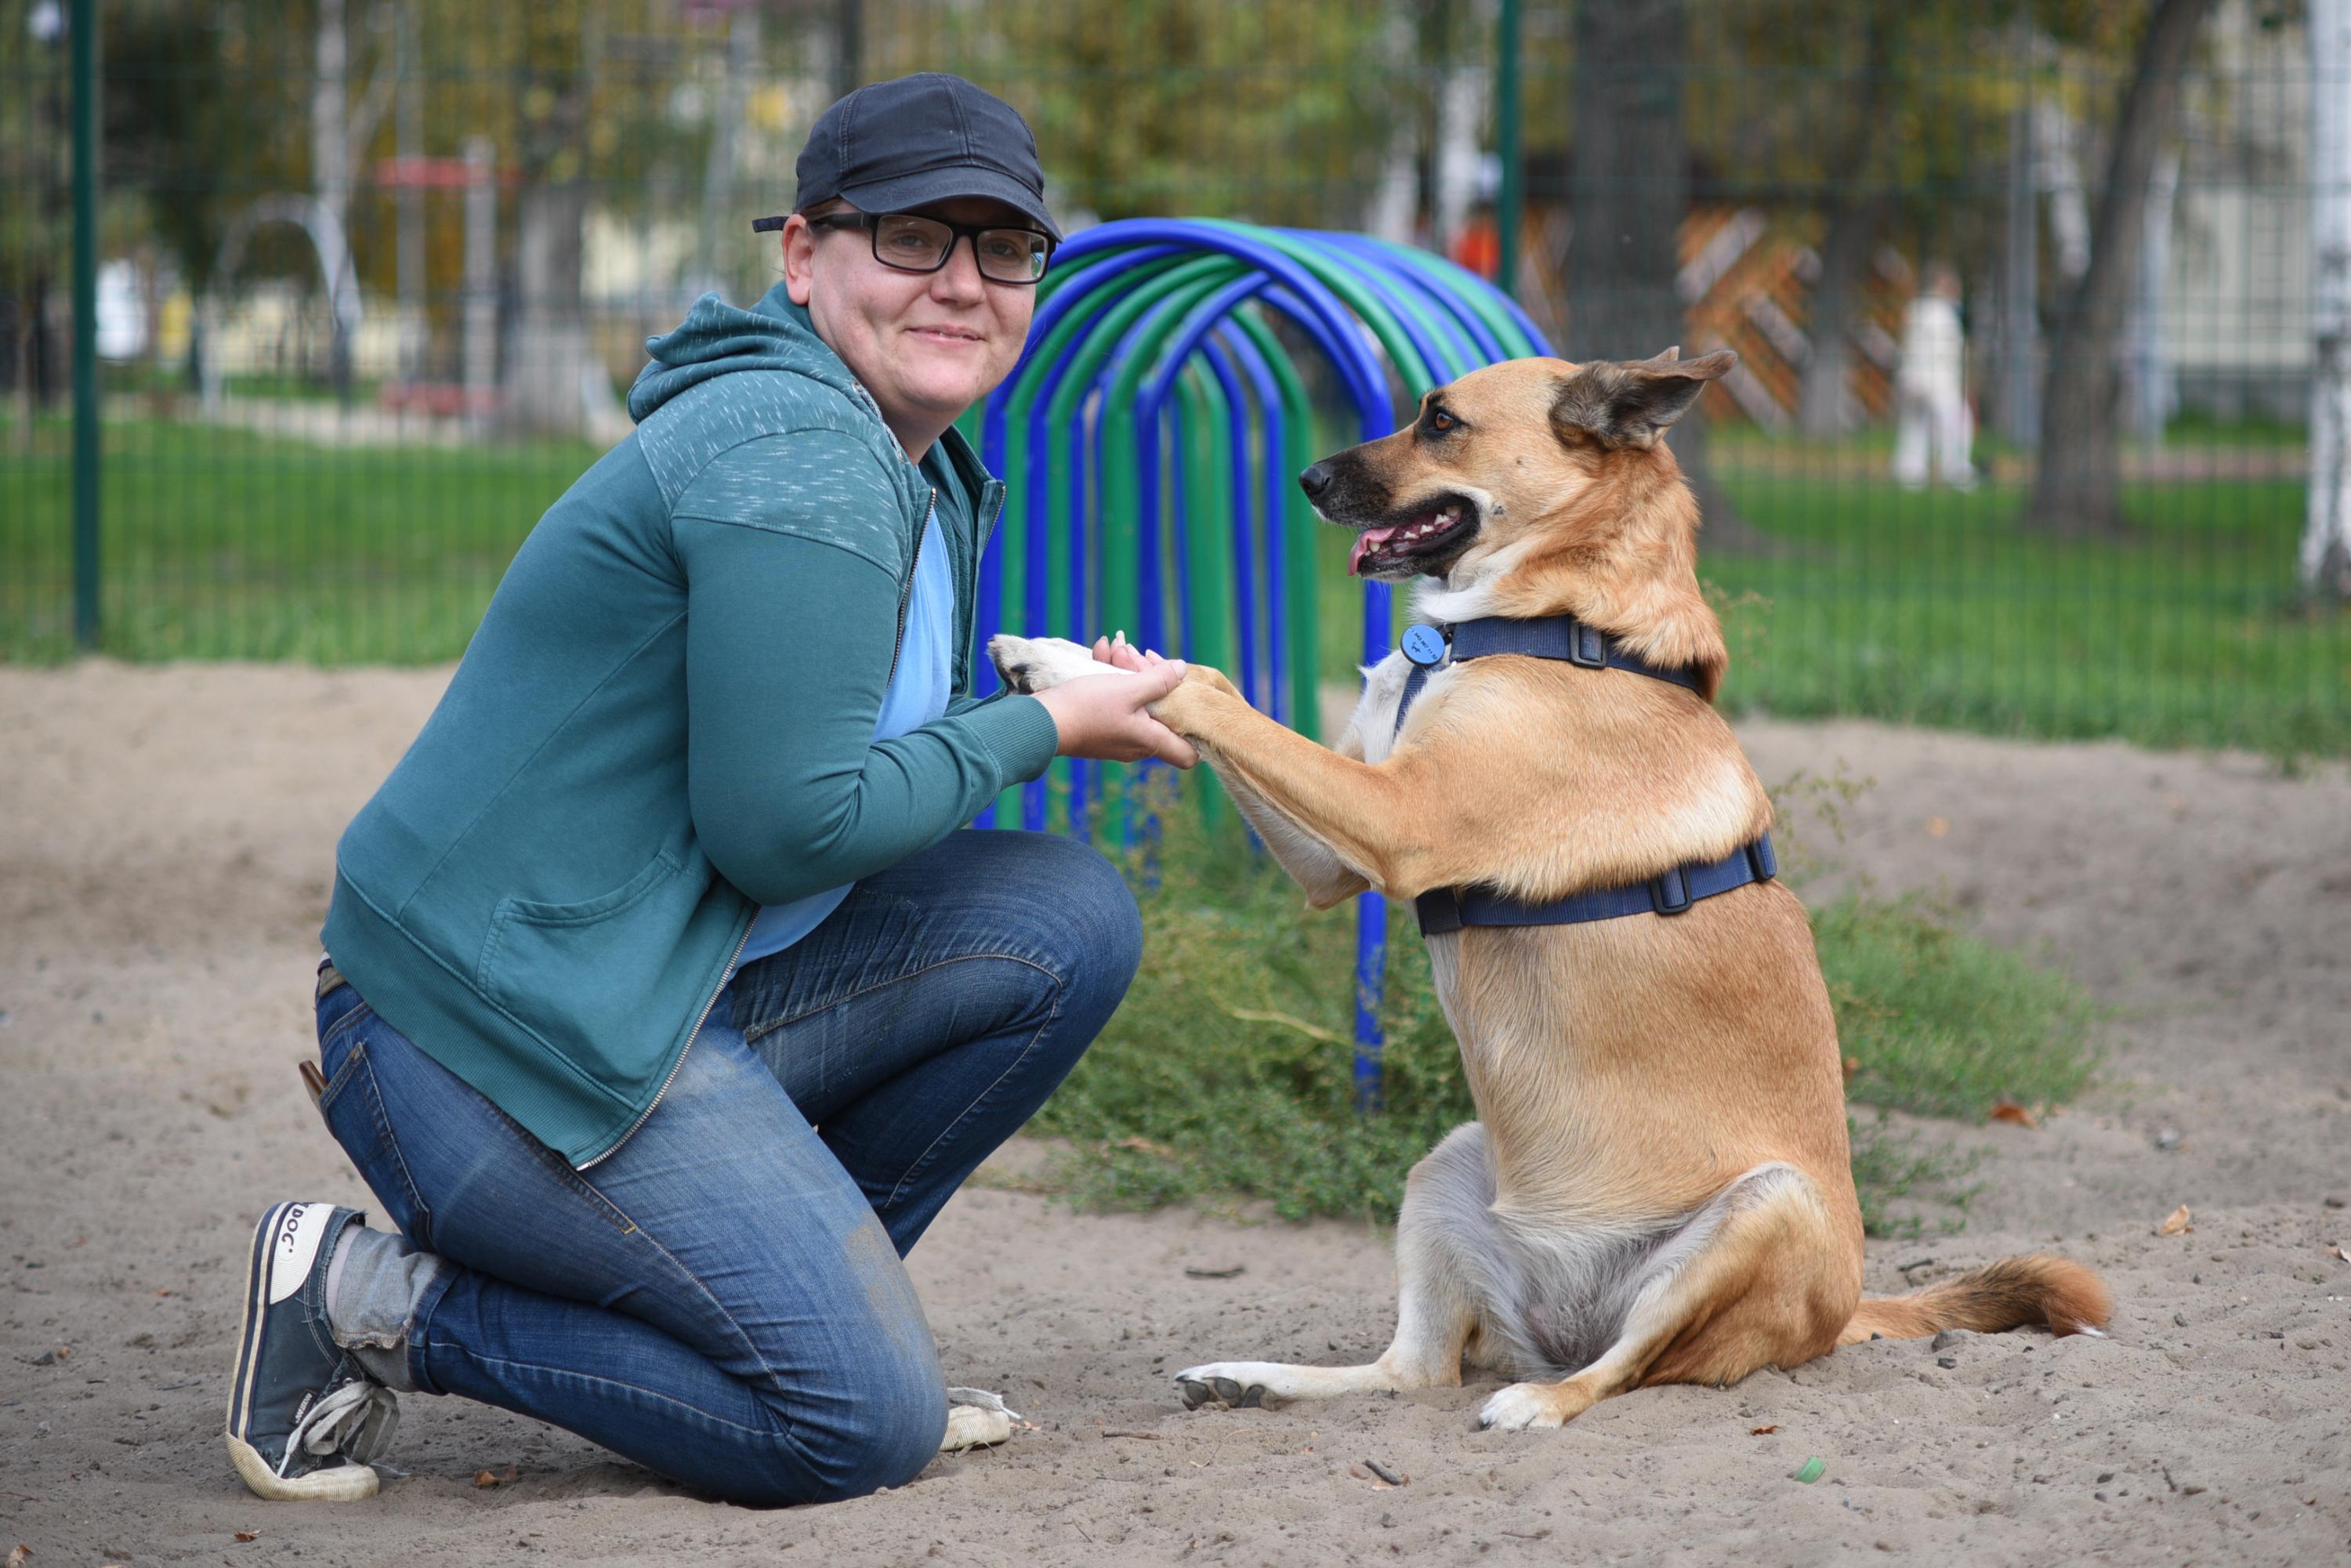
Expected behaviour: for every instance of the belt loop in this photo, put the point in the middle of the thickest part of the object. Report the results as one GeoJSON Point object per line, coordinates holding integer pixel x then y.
{"type": "Point", "coordinates": [1761, 860]}
{"type": "Point", "coordinates": [1586, 647]}
{"type": "Point", "coordinates": [1669, 893]}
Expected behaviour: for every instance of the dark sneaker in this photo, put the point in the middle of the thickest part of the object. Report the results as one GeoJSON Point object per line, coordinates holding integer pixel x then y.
{"type": "Point", "coordinates": [304, 1421]}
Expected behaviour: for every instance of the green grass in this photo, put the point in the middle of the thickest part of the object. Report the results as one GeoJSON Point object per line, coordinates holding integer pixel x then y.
{"type": "Point", "coordinates": [1925, 607]}
{"type": "Point", "coordinates": [1941, 1023]}
{"type": "Point", "coordinates": [1936, 608]}
{"type": "Point", "coordinates": [1226, 1077]}
{"type": "Point", "coordinates": [220, 543]}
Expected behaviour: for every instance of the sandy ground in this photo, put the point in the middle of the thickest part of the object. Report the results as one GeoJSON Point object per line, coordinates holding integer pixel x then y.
{"type": "Point", "coordinates": [164, 845]}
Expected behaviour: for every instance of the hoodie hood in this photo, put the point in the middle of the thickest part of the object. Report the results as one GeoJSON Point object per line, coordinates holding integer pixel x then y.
{"type": "Point", "coordinates": [717, 338]}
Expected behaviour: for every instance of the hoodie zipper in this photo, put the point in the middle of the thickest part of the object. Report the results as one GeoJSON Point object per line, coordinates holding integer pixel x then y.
{"type": "Point", "coordinates": [905, 599]}
{"type": "Point", "coordinates": [906, 593]}
{"type": "Point", "coordinates": [724, 975]}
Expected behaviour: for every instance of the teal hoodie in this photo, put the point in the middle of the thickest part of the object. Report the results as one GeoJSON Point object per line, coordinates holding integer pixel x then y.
{"type": "Point", "coordinates": [665, 721]}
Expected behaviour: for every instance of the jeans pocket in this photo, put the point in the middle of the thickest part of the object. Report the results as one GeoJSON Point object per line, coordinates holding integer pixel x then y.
{"type": "Point", "coordinates": [353, 1107]}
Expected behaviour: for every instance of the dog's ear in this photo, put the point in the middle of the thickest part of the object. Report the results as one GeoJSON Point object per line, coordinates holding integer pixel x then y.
{"type": "Point", "coordinates": [1623, 404]}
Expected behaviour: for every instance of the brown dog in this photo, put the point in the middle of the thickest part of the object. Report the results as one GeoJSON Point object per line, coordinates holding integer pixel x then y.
{"type": "Point", "coordinates": [1657, 1188]}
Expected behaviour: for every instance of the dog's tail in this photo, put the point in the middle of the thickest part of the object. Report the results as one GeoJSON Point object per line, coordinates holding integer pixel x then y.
{"type": "Point", "coordinates": [2008, 1294]}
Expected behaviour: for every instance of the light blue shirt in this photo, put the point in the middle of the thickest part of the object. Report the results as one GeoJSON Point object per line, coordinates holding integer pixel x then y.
{"type": "Point", "coordinates": [917, 695]}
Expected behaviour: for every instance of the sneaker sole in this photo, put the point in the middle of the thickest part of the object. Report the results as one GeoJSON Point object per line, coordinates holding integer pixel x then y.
{"type": "Point", "coordinates": [970, 1427]}
{"type": "Point", "coordinates": [346, 1482]}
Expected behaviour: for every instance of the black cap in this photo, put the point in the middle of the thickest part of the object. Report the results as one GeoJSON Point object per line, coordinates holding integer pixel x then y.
{"type": "Point", "coordinates": [893, 145]}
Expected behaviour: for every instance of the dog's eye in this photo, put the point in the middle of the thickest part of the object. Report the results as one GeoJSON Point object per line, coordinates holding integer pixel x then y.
{"type": "Point", "coordinates": [1440, 421]}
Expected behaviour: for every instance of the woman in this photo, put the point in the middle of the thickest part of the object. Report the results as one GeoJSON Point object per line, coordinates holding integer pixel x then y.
{"type": "Point", "coordinates": [664, 1007]}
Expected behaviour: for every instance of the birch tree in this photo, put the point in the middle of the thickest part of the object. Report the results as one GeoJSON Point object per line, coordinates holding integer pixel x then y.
{"type": "Point", "coordinates": [2327, 535]}
{"type": "Point", "coordinates": [2077, 490]}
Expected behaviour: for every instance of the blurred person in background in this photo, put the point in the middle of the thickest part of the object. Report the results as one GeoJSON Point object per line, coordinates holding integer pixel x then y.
{"type": "Point", "coordinates": [664, 1006]}
{"type": "Point", "coordinates": [1931, 387]}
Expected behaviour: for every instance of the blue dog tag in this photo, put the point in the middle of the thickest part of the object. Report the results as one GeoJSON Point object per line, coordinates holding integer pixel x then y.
{"type": "Point", "coordinates": [1423, 644]}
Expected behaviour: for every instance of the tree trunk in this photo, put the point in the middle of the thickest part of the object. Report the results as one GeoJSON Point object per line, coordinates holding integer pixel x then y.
{"type": "Point", "coordinates": [1824, 402]}
{"type": "Point", "coordinates": [1631, 192]}
{"type": "Point", "coordinates": [553, 373]}
{"type": "Point", "coordinates": [2326, 535]}
{"type": "Point", "coordinates": [2078, 492]}
{"type": "Point", "coordinates": [331, 162]}
{"type": "Point", "coordinates": [1631, 184]}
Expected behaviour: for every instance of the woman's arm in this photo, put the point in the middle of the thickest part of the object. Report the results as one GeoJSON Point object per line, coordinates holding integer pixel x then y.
{"type": "Point", "coordinates": [792, 604]}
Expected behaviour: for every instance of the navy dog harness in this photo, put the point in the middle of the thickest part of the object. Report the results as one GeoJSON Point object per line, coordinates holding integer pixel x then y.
{"type": "Point", "coordinates": [1564, 637]}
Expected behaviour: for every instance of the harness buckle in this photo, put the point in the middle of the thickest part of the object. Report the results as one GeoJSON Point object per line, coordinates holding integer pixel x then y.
{"type": "Point", "coordinates": [1587, 647]}
{"type": "Point", "coordinates": [1669, 893]}
{"type": "Point", "coordinates": [1439, 910]}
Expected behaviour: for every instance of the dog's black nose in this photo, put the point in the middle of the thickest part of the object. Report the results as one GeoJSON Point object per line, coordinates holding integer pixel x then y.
{"type": "Point", "coordinates": [1316, 480]}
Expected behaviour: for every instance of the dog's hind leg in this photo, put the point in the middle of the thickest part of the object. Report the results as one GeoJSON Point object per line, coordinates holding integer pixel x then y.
{"type": "Point", "coordinates": [1749, 1283]}
{"type": "Point", "coordinates": [1448, 1243]}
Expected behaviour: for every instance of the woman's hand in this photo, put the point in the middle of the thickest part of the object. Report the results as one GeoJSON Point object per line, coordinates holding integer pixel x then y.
{"type": "Point", "coordinates": [1120, 653]}
{"type": "Point", "coordinates": [1106, 719]}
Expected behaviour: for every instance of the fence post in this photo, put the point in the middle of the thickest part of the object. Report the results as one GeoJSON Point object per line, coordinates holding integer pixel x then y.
{"type": "Point", "coordinates": [1507, 115]}
{"type": "Point", "coordinates": [84, 24]}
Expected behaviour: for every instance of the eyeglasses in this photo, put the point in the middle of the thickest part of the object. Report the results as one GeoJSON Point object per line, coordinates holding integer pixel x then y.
{"type": "Point", "coordinates": [913, 242]}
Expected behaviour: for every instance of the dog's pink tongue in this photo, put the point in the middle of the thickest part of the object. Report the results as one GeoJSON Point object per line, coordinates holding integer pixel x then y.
{"type": "Point", "coordinates": [1365, 542]}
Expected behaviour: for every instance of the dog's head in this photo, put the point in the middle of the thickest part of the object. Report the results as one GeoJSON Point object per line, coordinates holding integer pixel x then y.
{"type": "Point", "coordinates": [1537, 486]}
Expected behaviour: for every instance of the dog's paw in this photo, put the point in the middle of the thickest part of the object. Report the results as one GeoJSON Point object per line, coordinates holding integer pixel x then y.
{"type": "Point", "coordinates": [1519, 1407]}
{"type": "Point", "coordinates": [1034, 665]}
{"type": "Point", "coordinates": [1240, 1385]}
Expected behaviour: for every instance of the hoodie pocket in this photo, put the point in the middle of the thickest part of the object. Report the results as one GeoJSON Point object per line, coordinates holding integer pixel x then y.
{"type": "Point", "coordinates": [523, 933]}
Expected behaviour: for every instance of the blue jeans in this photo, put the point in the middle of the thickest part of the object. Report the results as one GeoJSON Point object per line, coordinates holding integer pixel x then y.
{"type": "Point", "coordinates": [722, 1299]}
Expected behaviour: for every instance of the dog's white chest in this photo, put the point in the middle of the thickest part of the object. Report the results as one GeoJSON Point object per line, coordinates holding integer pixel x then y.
{"type": "Point", "coordinates": [1375, 711]}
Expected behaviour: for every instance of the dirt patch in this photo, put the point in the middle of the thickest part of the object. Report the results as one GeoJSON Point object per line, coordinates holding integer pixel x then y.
{"type": "Point", "coordinates": [164, 853]}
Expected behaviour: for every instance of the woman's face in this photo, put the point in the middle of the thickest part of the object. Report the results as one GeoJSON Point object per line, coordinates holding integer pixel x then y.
{"type": "Point", "coordinates": [926, 345]}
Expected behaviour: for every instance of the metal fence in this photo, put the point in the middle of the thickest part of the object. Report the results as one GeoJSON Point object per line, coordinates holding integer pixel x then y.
{"type": "Point", "coordinates": [368, 278]}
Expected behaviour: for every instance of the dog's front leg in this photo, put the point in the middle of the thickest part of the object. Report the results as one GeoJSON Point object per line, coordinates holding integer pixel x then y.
{"type": "Point", "coordinates": [1377, 824]}
{"type": "Point", "coordinates": [1040, 664]}
{"type": "Point", "coordinates": [1326, 879]}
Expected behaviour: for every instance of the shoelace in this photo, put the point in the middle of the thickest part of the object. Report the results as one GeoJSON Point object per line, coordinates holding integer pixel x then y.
{"type": "Point", "coordinates": [357, 1418]}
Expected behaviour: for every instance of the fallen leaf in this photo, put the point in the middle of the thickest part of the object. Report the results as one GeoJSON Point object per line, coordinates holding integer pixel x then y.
{"type": "Point", "coordinates": [1936, 827]}
{"type": "Point", "coordinates": [1852, 1066]}
{"type": "Point", "coordinates": [18, 1553]}
{"type": "Point", "coordinates": [484, 1479]}
{"type": "Point", "coordinates": [248, 1535]}
{"type": "Point", "coordinates": [1146, 1146]}
{"type": "Point", "coordinates": [1763, 1431]}
{"type": "Point", "coordinates": [2177, 1221]}
{"type": "Point", "coordinates": [2008, 1111]}
{"type": "Point", "coordinates": [2337, 1250]}
{"type": "Point", "coordinates": [1214, 1273]}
